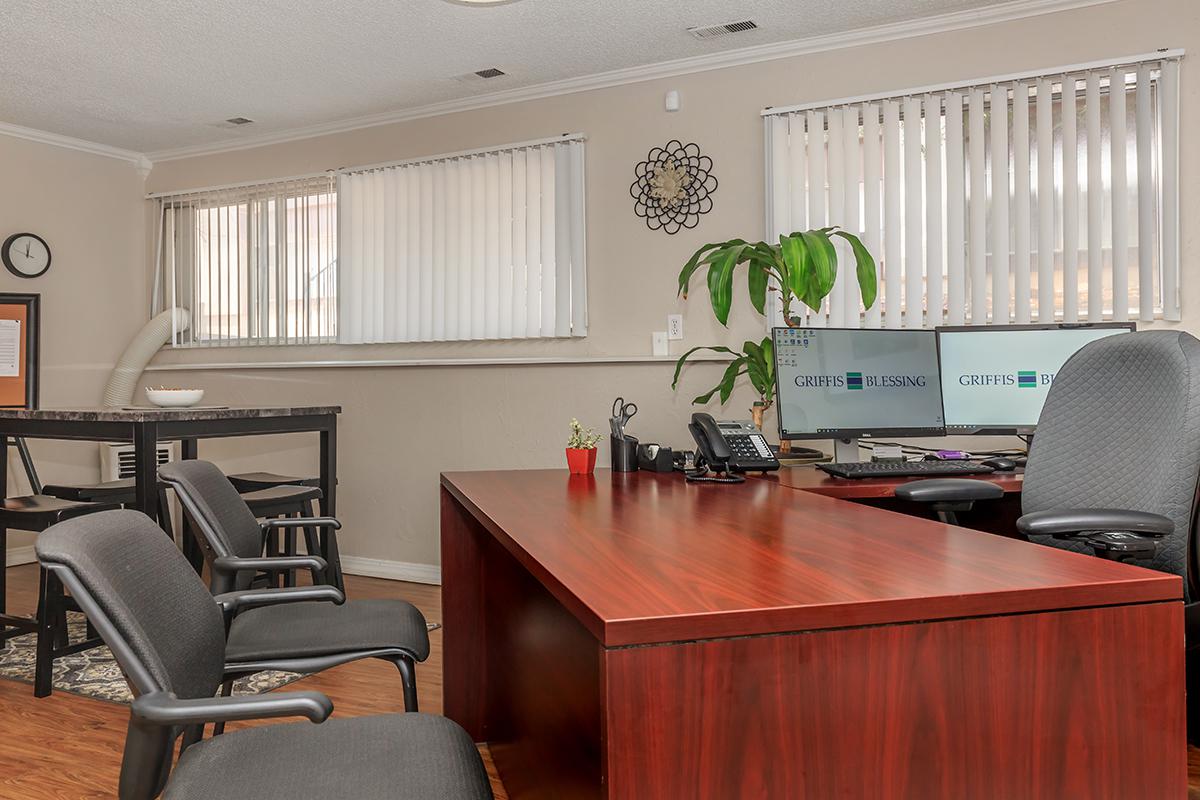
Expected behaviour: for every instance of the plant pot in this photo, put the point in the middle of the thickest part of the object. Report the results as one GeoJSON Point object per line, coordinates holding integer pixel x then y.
{"type": "Point", "coordinates": [581, 462]}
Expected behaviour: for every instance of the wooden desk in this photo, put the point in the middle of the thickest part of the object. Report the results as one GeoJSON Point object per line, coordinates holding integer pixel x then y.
{"type": "Point", "coordinates": [635, 636]}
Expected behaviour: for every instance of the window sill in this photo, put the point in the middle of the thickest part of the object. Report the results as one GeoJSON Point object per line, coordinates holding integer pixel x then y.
{"type": "Point", "coordinates": [376, 363]}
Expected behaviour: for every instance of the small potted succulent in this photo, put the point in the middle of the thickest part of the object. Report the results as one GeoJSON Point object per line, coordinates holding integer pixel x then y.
{"type": "Point", "coordinates": [581, 449]}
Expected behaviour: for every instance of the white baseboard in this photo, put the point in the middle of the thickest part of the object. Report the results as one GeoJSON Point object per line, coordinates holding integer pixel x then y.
{"type": "Point", "coordinates": [351, 565]}
{"type": "Point", "coordinates": [21, 555]}
{"type": "Point", "coordinates": [392, 570]}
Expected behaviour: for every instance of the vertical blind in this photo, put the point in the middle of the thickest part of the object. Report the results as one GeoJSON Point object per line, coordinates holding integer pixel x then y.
{"type": "Point", "coordinates": [486, 245]}
{"type": "Point", "coordinates": [1046, 197]}
{"type": "Point", "coordinates": [253, 264]}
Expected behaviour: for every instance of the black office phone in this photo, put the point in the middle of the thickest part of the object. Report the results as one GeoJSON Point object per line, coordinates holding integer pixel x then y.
{"type": "Point", "coordinates": [729, 446]}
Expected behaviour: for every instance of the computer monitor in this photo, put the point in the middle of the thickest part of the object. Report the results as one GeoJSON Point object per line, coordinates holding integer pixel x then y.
{"type": "Point", "coordinates": [996, 378]}
{"type": "Point", "coordinates": [838, 383]}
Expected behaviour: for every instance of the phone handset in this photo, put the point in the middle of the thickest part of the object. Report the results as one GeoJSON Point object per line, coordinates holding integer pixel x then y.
{"type": "Point", "coordinates": [712, 452]}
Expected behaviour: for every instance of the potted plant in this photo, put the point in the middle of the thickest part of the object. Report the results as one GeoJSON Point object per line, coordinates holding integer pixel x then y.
{"type": "Point", "coordinates": [581, 449]}
{"type": "Point", "coordinates": [802, 267]}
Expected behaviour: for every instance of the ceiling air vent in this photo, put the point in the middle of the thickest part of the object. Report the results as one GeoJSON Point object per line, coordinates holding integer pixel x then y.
{"type": "Point", "coordinates": [239, 121]}
{"type": "Point", "coordinates": [480, 75]}
{"type": "Point", "coordinates": [490, 72]}
{"type": "Point", "coordinates": [717, 31]}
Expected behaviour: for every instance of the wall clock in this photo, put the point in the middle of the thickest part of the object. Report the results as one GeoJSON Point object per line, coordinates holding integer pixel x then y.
{"type": "Point", "coordinates": [25, 255]}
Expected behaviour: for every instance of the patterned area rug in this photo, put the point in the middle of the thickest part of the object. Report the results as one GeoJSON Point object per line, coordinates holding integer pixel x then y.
{"type": "Point", "coordinates": [94, 672]}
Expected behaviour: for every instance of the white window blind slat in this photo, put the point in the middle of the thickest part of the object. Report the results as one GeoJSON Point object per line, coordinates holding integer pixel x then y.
{"type": "Point", "coordinates": [1022, 284]}
{"type": "Point", "coordinates": [933, 210]}
{"type": "Point", "coordinates": [1169, 125]}
{"type": "Point", "coordinates": [1045, 200]}
{"type": "Point", "coordinates": [914, 227]}
{"type": "Point", "coordinates": [989, 203]}
{"type": "Point", "coordinates": [892, 221]}
{"type": "Point", "coordinates": [835, 177]}
{"type": "Point", "coordinates": [1070, 197]}
{"type": "Point", "coordinates": [956, 276]}
{"type": "Point", "coordinates": [977, 206]}
{"type": "Point", "coordinates": [872, 208]}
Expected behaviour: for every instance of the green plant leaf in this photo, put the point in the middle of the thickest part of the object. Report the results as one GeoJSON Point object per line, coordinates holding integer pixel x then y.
{"type": "Point", "coordinates": [757, 279]}
{"type": "Point", "coordinates": [683, 358]}
{"type": "Point", "coordinates": [693, 264]}
{"type": "Point", "coordinates": [865, 268]}
{"type": "Point", "coordinates": [729, 378]}
{"type": "Point", "coordinates": [793, 254]}
{"type": "Point", "coordinates": [720, 281]}
{"type": "Point", "coordinates": [823, 258]}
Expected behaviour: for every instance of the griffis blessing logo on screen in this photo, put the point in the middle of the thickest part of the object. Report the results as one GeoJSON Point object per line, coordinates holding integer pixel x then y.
{"type": "Point", "coordinates": [857, 381]}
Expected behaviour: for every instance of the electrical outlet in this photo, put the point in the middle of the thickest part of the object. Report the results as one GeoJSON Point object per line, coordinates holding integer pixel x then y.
{"type": "Point", "coordinates": [658, 341]}
{"type": "Point", "coordinates": [674, 326]}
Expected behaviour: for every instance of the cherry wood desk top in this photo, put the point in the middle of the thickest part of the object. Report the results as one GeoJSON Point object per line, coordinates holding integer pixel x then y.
{"type": "Point", "coordinates": [811, 479]}
{"type": "Point", "coordinates": [643, 558]}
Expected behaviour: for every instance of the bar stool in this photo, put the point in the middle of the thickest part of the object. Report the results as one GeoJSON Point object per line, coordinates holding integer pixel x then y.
{"type": "Point", "coordinates": [36, 513]}
{"type": "Point", "coordinates": [280, 502]}
{"type": "Point", "coordinates": [121, 491]}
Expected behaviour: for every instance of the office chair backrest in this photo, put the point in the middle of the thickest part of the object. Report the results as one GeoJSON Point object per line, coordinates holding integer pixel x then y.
{"type": "Point", "coordinates": [1121, 429]}
{"type": "Point", "coordinates": [218, 511]}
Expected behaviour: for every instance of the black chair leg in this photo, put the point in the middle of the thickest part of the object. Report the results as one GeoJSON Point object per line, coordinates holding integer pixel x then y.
{"type": "Point", "coordinates": [408, 677]}
{"type": "Point", "coordinates": [226, 691]}
{"type": "Point", "coordinates": [43, 670]}
{"type": "Point", "coordinates": [289, 549]}
{"type": "Point", "coordinates": [3, 579]}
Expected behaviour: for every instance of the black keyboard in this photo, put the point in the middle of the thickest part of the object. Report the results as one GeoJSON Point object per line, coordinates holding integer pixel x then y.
{"type": "Point", "coordinates": [905, 469]}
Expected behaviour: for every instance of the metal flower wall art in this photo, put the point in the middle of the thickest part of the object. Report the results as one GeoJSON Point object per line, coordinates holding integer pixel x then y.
{"type": "Point", "coordinates": [674, 186]}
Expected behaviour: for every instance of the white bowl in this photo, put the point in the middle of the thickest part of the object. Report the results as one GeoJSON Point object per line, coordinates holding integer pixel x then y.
{"type": "Point", "coordinates": [174, 398]}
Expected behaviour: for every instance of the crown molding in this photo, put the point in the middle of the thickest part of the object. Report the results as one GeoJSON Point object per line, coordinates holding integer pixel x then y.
{"type": "Point", "coordinates": [71, 143]}
{"type": "Point", "coordinates": [942, 23]}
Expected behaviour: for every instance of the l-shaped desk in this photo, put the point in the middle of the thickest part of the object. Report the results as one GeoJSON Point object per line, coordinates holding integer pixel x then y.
{"type": "Point", "coordinates": [636, 636]}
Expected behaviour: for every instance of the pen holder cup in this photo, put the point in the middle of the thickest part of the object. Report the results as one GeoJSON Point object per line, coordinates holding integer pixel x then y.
{"type": "Point", "coordinates": [624, 454]}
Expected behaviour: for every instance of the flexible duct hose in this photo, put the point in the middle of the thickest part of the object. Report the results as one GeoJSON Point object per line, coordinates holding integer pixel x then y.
{"type": "Point", "coordinates": [156, 333]}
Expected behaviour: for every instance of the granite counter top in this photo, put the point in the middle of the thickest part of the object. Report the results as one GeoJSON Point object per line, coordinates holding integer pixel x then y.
{"type": "Point", "coordinates": [153, 414]}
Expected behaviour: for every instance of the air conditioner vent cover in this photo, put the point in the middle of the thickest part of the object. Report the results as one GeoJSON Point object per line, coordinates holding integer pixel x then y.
{"type": "Point", "coordinates": [726, 29]}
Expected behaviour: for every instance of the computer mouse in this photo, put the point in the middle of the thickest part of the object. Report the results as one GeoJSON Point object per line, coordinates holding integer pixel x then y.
{"type": "Point", "coordinates": [999, 463]}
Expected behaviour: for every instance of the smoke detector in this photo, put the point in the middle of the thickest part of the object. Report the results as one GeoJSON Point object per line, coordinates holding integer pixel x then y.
{"type": "Point", "coordinates": [726, 29]}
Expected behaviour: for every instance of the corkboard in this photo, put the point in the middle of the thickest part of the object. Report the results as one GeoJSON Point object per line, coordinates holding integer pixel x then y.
{"type": "Point", "coordinates": [21, 390]}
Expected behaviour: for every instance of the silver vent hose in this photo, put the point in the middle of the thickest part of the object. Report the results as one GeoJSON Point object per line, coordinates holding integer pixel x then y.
{"type": "Point", "coordinates": [125, 375]}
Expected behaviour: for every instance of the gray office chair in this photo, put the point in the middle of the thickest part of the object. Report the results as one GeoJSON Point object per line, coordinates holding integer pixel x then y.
{"type": "Point", "coordinates": [1115, 463]}
{"type": "Point", "coordinates": [295, 637]}
{"type": "Point", "coordinates": [167, 635]}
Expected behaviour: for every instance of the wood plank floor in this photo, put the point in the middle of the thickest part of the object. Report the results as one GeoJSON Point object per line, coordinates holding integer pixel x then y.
{"type": "Point", "coordinates": [66, 747]}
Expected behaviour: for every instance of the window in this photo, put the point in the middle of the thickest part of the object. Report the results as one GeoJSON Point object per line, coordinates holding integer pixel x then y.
{"type": "Point", "coordinates": [480, 245]}
{"type": "Point", "coordinates": [1042, 198]}
{"type": "Point", "coordinates": [253, 265]}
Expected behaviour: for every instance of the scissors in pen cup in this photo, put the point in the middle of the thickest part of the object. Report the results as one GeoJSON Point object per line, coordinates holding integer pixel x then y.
{"type": "Point", "coordinates": [622, 413]}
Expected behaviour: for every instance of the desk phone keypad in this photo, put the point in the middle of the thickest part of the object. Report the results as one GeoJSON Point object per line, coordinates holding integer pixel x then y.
{"type": "Point", "coordinates": [749, 448]}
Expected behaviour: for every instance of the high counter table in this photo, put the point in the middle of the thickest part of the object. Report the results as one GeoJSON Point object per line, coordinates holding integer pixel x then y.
{"type": "Point", "coordinates": [636, 636]}
{"type": "Point", "coordinates": [145, 427]}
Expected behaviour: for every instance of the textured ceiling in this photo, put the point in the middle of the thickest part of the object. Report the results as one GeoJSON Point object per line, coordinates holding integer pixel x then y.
{"type": "Point", "coordinates": [150, 76]}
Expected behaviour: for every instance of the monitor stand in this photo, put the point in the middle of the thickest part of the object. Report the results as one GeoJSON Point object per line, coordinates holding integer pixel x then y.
{"type": "Point", "coordinates": [845, 450]}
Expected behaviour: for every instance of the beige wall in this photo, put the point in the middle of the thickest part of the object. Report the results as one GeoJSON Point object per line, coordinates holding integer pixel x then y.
{"type": "Point", "coordinates": [402, 426]}
{"type": "Point", "coordinates": [89, 209]}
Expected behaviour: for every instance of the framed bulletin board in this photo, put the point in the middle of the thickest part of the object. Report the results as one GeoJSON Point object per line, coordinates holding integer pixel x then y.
{"type": "Point", "coordinates": [20, 324]}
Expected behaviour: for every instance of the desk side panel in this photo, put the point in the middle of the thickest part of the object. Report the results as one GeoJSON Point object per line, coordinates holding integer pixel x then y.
{"type": "Point", "coordinates": [1081, 703]}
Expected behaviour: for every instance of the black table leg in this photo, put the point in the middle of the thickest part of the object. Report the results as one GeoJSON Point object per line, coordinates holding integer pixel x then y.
{"type": "Point", "coordinates": [329, 548]}
{"type": "Point", "coordinates": [188, 451]}
{"type": "Point", "coordinates": [3, 534]}
{"type": "Point", "coordinates": [145, 468]}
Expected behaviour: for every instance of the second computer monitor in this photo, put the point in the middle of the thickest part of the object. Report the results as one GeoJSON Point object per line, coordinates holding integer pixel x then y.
{"type": "Point", "coordinates": [996, 378]}
{"type": "Point", "coordinates": [837, 383]}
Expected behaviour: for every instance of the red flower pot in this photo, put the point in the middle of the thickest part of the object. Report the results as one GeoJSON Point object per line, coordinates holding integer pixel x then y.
{"type": "Point", "coordinates": [581, 462]}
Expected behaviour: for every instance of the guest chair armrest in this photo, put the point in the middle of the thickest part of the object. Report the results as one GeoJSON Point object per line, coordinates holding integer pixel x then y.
{"type": "Point", "coordinates": [232, 564]}
{"type": "Point", "coordinates": [1066, 523]}
{"type": "Point", "coordinates": [235, 602]}
{"type": "Point", "coordinates": [301, 522]}
{"type": "Point", "coordinates": [164, 708]}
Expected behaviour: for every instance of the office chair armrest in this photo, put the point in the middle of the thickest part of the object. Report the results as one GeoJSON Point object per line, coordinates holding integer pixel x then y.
{"type": "Point", "coordinates": [235, 602]}
{"type": "Point", "coordinates": [949, 490]}
{"type": "Point", "coordinates": [301, 522]}
{"type": "Point", "coordinates": [164, 708]}
{"type": "Point", "coordinates": [232, 564]}
{"type": "Point", "coordinates": [1066, 523]}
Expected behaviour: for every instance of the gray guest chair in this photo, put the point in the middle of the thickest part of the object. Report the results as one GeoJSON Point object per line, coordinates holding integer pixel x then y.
{"type": "Point", "coordinates": [167, 634]}
{"type": "Point", "coordinates": [296, 637]}
{"type": "Point", "coordinates": [1114, 468]}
